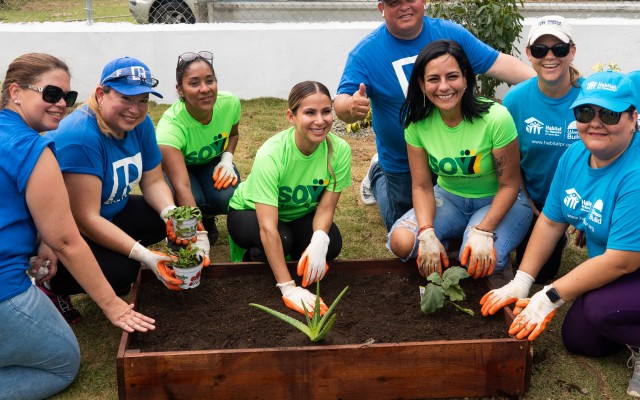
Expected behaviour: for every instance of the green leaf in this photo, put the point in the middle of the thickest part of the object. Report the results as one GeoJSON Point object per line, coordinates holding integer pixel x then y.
{"type": "Point", "coordinates": [453, 275]}
{"type": "Point", "coordinates": [464, 310]}
{"type": "Point", "coordinates": [432, 299]}
{"type": "Point", "coordinates": [454, 292]}
{"type": "Point", "coordinates": [435, 278]}
{"type": "Point", "coordinates": [293, 322]}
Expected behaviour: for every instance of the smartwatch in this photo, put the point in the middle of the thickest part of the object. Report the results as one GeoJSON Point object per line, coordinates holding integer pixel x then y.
{"type": "Point", "coordinates": [554, 296]}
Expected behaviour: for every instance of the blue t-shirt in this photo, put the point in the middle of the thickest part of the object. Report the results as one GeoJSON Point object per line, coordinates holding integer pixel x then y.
{"type": "Point", "coordinates": [384, 64]}
{"type": "Point", "coordinates": [601, 202]}
{"type": "Point", "coordinates": [546, 127]}
{"type": "Point", "coordinates": [21, 148]}
{"type": "Point", "coordinates": [119, 163]}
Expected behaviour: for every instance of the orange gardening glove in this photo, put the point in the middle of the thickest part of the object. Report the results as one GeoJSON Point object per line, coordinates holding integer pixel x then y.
{"type": "Point", "coordinates": [313, 265]}
{"type": "Point", "coordinates": [295, 296]}
{"type": "Point", "coordinates": [431, 253]}
{"type": "Point", "coordinates": [479, 255]}
{"type": "Point", "coordinates": [518, 288]}
{"type": "Point", "coordinates": [533, 315]}
{"type": "Point", "coordinates": [156, 262]}
{"type": "Point", "coordinates": [224, 175]}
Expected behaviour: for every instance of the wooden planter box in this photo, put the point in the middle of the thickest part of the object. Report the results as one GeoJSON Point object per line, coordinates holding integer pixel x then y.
{"type": "Point", "coordinates": [431, 369]}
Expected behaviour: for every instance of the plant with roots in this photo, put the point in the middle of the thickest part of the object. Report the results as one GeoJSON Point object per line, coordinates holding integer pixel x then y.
{"type": "Point", "coordinates": [441, 287]}
{"type": "Point", "coordinates": [316, 328]}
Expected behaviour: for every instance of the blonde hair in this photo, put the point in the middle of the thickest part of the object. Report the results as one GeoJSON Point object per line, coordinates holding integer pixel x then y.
{"type": "Point", "coordinates": [94, 106]}
{"type": "Point", "coordinates": [298, 93]}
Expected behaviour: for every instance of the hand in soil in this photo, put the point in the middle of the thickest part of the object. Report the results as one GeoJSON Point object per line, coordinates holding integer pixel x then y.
{"type": "Point", "coordinates": [313, 261]}
{"type": "Point", "coordinates": [295, 296]}
{"type": "Point", "coordinates": [431, 253]}
{"type": "Point", "coordinates": [496, 299]}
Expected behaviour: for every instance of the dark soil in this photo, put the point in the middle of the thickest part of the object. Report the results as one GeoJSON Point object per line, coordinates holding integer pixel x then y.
{"type": "Point", "coordinates": [376, 309]}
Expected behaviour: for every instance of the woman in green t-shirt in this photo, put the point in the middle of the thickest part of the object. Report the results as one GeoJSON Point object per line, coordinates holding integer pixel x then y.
{"type": "Point", "coordinates": [287, 203]}
{"type": "Point", "coordinates": [197, 136]}
{"type": "Point", "coordinates": [471, 143]}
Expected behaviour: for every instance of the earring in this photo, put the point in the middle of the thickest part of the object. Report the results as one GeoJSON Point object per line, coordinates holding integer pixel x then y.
{"type": "Point", "coordinates": [424, 100]}
{"type": "Point", "coordinates": [382, 13]}
{"type": "Point", "coordinates": [16, 101]}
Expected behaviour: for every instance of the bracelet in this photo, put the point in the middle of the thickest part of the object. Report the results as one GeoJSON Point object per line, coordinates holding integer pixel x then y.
{"type": "Point", "coordinates": [424, 228]}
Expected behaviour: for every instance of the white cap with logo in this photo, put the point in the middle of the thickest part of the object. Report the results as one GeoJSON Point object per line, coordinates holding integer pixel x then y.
{"type": "Point", "coordinates": [553, 25]}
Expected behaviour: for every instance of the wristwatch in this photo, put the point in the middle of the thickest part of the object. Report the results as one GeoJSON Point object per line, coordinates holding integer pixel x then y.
{"type": "Point", "coordinates": [554, 296]}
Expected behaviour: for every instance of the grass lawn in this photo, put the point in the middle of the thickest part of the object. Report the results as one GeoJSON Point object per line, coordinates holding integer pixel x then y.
{"type": "Point", "coordinates": [556, 373]}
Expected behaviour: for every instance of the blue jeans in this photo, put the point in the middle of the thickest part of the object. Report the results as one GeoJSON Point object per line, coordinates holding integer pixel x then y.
{"type": "Point", "coordinates": [210, 200]}
{"type": "Point", "coordinates": [392, 193]}
{"type": "Point", "coordinates": [456, 215]}
{"type": "Point", "coordinates": [39, 354]}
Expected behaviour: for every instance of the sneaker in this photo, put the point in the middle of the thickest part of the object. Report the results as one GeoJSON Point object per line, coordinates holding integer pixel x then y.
{"type": "Point", "coordinates": [634, 362]}
{"type": "Point", "coordinates": [366, 195]}
{"type": "Point", "coordinates": [212, 230]}
{"type": "Point", "coordinates": [63, 305]}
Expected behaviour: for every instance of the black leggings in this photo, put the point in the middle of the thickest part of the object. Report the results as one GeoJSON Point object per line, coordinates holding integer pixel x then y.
{"type": "Point", "coordinates": [295, 235]}
{"type": "Point", "coordinates": [139, 221]}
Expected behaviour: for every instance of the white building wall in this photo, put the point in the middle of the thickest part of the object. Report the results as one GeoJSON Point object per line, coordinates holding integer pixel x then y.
{"type": "Point", "coordinates": [258, 60]}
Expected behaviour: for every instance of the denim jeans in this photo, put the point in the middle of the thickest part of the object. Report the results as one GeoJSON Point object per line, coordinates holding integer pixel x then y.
{"type": "Point", "coordinates": [456, 215]}
{"type": "Point", "coordinates": [39, 354]}
{"type": "Point", "coordinates": [210, 200]}
{"type": "Point", "coordinates": [392, 193]}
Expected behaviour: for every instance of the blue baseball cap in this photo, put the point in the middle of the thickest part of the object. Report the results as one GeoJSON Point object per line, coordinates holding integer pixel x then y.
{"type": "Point", "coordinates": [611, 90]}
{"type": "Point", "coordinates": [635, 78]}
{"type": "Point", "coordinates": [129, 76]}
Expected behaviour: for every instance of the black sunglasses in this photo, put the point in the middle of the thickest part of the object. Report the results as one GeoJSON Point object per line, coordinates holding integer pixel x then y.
{"type": "Point", "coordinates": [190, 56]}
{"type": "Point", "coordinates": [586, 114]}
{"type": "Point", "coordinates": [53, 94]}
{"type": "Point", "coordinates": [558, 50]}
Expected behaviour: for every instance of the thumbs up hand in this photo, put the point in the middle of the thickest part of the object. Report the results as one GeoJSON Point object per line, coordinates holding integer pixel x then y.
{"type": "Point", "coordinates": [360, 103]}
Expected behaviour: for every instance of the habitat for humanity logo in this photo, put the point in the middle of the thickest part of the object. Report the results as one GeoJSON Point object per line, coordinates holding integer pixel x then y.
{"type": "Point", "coordinates": [572, 199]}
{"type": "Point", "coordinates": [596, 212]}
{"type": "Point", "coordinates": [602, 86]}
{"type": "Point", "coordinates": [534, 126]}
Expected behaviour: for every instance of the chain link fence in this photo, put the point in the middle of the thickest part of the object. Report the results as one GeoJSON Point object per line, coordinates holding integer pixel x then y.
{"type": "Point", "coordinates": [266, 11]}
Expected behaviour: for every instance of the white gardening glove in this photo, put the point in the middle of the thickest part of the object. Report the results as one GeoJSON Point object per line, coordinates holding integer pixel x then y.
{"type": "Point", "coordinates": [313, 261]}
{"type": "Point", "coordinates": [224, 174]}
{"type": "Point", "coordinates": [533, 315]}
{"type": "Point", "coordinates": [294, 296]}
{"type": "Point", "coordinates": [431, 253]}
{"type": "Point", "coordinates": [518, 288]}
{"type": "Point", "coordinates": [202, 241]}
{"type": "Point", "coordinates": [156, 262]}
{"type": "Point", "coordinates": [479, 255]}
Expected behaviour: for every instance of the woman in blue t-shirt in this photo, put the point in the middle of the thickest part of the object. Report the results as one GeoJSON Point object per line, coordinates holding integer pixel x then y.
{"type": "Point", "coordinates": [107, 148]}
{"type": "Point", "coordinates": [546, 125]}
{"type": "Point", "coordinates": [596, 188]}
{"type": "Point", "coordinates": [39, 354]}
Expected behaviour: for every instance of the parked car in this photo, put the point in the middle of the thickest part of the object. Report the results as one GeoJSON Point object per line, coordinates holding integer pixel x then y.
{"type": "Point", "coordinates": [164, 11]}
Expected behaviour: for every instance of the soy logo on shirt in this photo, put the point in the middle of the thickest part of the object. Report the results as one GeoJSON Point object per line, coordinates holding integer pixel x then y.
{"type": "Point", "coordinates": [301, 194]}
{"type": "Point", "coordinates": [467, 164]}
{"type": "Point", "coordinates": [209, 151]}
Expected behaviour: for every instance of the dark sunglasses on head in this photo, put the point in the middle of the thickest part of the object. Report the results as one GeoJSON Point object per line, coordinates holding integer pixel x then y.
{"type": "Point", "coordinates": [190, 56]}
{"type": "Point", "coordinates": [53, 94]}
{"type": "Point", "coordinates": [586, 114]}
{"type": "Point", "coordinates": [558, 50]}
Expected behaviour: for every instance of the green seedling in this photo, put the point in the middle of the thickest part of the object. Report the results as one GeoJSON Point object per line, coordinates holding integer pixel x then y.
{"type": "Point", "coordinates": [185, 213]}
{"type": "Point", "coordinates": [441, 287]}
{"type": "Point", "coordinates": [316, 328]}
{"type": "Point", "coordinates": [187, 257]}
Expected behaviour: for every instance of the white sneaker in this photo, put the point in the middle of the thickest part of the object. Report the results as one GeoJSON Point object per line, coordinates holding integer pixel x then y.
{"type": "Point", "coordinates": [366, 195]}
{"type": "Point", "coordinates": [634, 362]}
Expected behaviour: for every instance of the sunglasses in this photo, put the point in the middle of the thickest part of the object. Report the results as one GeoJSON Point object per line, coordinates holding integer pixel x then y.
{"type": "Point", "coordinates": [558, 50]}
{"type": "Point", "coordinates": [586, 114]}
{"type": "Point", "coordinates": [53, 94]}
{"type": "Point", "coordinates": [190, 56]}
{"type": "Point", "coordinates": [133, 76]}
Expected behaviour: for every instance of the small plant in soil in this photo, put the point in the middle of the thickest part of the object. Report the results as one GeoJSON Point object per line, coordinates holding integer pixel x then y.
{"type": "Point", "coordinates": [316, 328]}
{"type": "Point", "coordinates": [441, 287]}
{"type": "Point", "coordinates": [186, 257]}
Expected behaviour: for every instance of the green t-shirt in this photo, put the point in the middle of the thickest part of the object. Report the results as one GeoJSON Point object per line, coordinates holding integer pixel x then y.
{"type": "Point", "coordinates": [283, 177]}
{"type": "Point", "coordinates": [199, 143]}
{"type": "Point", "coordinates": [461, 156]}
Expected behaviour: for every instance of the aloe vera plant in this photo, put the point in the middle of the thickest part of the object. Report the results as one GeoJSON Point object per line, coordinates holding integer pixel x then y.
{"type": "Point", "coordinates": [440, 287]}
{"type": "Point", "coordinates": [316, 328]}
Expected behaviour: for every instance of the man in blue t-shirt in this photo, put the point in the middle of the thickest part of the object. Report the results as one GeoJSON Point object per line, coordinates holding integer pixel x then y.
{"type": "Point", "coordinates": [377, 74]}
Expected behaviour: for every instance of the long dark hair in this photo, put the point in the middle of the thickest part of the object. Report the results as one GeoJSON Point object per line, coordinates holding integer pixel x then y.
{"type": "Point", "coordinates": [417, 106]}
